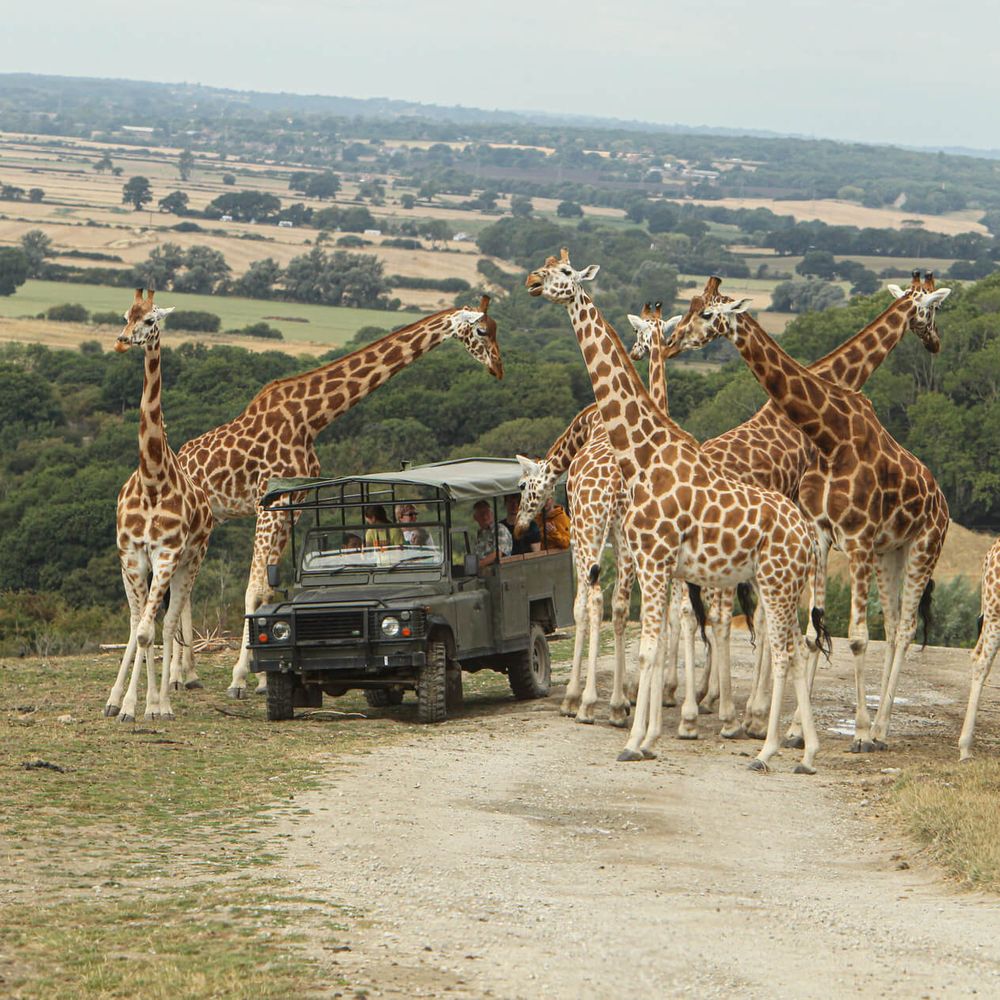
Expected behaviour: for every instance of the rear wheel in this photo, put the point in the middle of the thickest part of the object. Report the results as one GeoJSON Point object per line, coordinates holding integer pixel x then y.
{"type": "Point", "coordinates": [280, 694]}
{"type": "Point", "coordinates": [432, 685]}
{"type": "Point", "coordinates": [529, 674]}
{"type": "Point", "coordinates": [384, 697]}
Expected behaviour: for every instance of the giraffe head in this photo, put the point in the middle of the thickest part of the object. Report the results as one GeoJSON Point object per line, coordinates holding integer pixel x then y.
{"type": "Point", "coordinates": [538, 483]}
{"type": "Point", "coordinates": [645, 325]}
{"type": "Point", "coordinates": [142, 322]}
{"type": "Point", "coordinates": [477, 330]}
{"type": "Point", "coordinates": [709, 316]}
{"type": "Point", "coordinates": [557, 279]}
{"type": "Point", "coordinates": [925, 298]}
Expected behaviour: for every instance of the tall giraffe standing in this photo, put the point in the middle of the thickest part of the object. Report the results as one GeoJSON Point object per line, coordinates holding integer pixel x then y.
{"type": "Point", "coordinates": [771, 452]}
{"type": "Point", "coordinates": [863, 492]}
{"type": "Point", "coordinates": [275, 435]}
{"type": "Point", "coordinates": [163, 522]}
{"type": "Point", "coordinates": [986, 647]}
{"type": "Point", "coordinates": [686, 520]}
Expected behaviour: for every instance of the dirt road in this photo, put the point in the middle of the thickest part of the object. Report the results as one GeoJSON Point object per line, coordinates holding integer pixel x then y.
{"type": "Point", "coordinates": [509, 855]}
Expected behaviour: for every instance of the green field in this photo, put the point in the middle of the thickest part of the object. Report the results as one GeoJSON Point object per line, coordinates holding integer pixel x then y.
{"type": "Point", "coordinates": [323, 324]}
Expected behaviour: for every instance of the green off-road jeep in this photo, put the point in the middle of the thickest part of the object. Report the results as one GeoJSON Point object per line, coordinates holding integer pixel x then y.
{"type": "Point", "coordinates": [389, 594]}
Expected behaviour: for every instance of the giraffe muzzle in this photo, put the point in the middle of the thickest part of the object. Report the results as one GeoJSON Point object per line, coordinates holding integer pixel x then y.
{"type": "Point", "coordinates": [534, 284]}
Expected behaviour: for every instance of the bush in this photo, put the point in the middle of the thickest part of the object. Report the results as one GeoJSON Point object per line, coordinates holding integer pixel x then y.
{"type": "Point", "coordinates": [437, 284]}
{"type": "Point", "coordinates": [403, 243]}
{"type": "Point", "coordinates": [196, 320]}
{"type": "Point", "coordinates": [351, 241]}
{"type": "Point", "coordinates": [187, 227]}
{"type": "Point", "coordinates": [67, 313]}
{"type": "Point", "coordinates": [109, 318]}
{"type": "Point", "coordinates": [261, 329]}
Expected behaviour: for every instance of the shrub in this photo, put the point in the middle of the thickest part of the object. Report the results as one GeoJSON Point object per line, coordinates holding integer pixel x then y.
{"type": "Point", "coordinates": [196, 320]}
{"type": "Point", "coordinates": [109, 318]}
{"type": "Point", "coordinates": [261, 329]}
{"type": "Point", "coordinates": [403, 243]}
{"type": "Point", "coordinates": [351, 241]}
{"type": "Point", "coordinates": [187, 227]}
{"type": "Point", "coordinates": [68, 312]}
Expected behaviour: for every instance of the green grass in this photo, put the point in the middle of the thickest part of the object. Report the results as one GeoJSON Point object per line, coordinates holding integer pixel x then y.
{"type": "Point", "coordinates": [326, 324]}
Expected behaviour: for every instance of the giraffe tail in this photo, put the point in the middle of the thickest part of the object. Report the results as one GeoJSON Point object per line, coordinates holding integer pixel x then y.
{"type": "Point", "coordinates": [744, 593]}
{"type": "Point", "coordinates": [824, 641]}
{"type": "Point", "coordinates": [924, 609]}
{"type": "Point", "coordinates": [698, 606]}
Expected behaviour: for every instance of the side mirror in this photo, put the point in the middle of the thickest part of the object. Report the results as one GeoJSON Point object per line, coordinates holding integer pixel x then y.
{"type": "Point", "coordinates": [273, 576]}
{"type": "Point", "coordinates": [470, 565]}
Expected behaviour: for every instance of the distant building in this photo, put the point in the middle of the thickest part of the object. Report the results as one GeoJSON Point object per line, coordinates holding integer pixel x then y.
{"type": "Point", "coordinates": [285, 224]}
{"type": "Point", "coordinates": [225, 218]}
{"type": "Point", "coordinates": [461, 237]}
{"type": "Point", "coordinates": [373, 232]}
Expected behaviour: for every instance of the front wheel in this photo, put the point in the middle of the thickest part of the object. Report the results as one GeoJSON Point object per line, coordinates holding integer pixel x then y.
{"type": "Point", "coordinates": [432, 685]}
{"type": "Point", "coordinates": [530, 674]}
{"type": "Point", "coordinates": [280, 695]}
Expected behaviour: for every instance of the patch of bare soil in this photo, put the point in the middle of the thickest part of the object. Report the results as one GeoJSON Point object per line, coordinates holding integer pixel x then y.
{"type": "Point", "coordinates": [508, 854]}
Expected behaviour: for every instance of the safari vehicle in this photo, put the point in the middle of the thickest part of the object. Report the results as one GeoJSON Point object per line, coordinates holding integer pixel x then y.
{"type": "Point", "coordinates": [389, 606]}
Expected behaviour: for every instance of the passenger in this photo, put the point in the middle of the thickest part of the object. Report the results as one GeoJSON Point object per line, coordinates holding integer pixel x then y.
{"type": "Point", "coordinates": [411, 536]}
{"type": "Point", "coordinates": [555, 526]}
{"type": "Point", "coordinates": [531, 540]}
{"type": "Point", "coordinates": [380, 535]}
{"type": "Point", "coordinates": [351, 541]}
{"type": "Point", "coordinates": [486, 548]}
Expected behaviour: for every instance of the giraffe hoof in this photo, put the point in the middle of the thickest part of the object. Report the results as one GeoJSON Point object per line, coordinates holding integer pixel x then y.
{"type": "Point", "coordinates": [862, 746]}
{"type": "Point", "coordinates": [647, 754]}
{"type": "Point", "coordinates": [669, 701]}
{"type": "Point", "coordinates": [195, 685]}
{"type": "Point", "coordinates": [618, 723]}
{"type": "Point", "coordinates": [755, 733]}
{"type": "Point", "coordinates": [804, 769]}
{"type": "Point", "coordinates": [687, 734]}
{"type": "Point", "coordinates": [124, 717]}
{"type": "Point", "coordinates": [237, 693]}
{"type": "Point", "coordinates": [733, 734]}
{"type": "Point", "coordinates": [262, 691]}
{"type": "Point", "coordinates": [152, 715]}
{"type": "Point", "coordinates": [567, 713]}
{"type": "Point", "coordinates": [758, 765]}
{"type": "Point", "coordinates": [175, 685]}
{"type": "Point", "coordinates": [879, 745]}
{"type": "Point", "coordinates": [583, 720]}
{"type": "Point", "coordinates": [630, 755]}
{"type": "Point", "coordinates": [166, 717]}
{"type": "Point", "coordinates": [704, 708]}
{"type": "Point", "coordinates": [794, 743]}
{"type": "Point", "coordinates": [110, 711]}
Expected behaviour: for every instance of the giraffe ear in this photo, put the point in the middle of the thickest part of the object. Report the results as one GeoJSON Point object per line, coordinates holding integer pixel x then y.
{"type": "Point", "coordinates": [465, 317]}
{"type": "Point", "coordinates": [937, 296]}
{"type": "Point", "coordinates": [588, 273]}
{"type": "Point", "coordinates": [731, 308]}
{"type": "Point", "coordinates": [528, 467]}
{"type": "Point", "coordinates": [638, 323]}
{"type": "Point", "coordinates": [671, 324]}
{"type": "Point", "coordinates": [897, 292]}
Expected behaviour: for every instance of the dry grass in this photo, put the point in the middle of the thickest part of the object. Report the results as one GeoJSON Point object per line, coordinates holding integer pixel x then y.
{"type": "Point", "coordinates": [847, 213]}
{"type": "Point", "coordinates": [955, 813]}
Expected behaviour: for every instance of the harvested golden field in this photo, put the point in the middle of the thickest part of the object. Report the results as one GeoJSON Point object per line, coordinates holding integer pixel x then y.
{"type": "Point", "coordinates": [848, 213]}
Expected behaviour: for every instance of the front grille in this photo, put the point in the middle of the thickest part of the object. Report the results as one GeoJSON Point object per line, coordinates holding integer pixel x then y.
{"type": "Point", "coordinates": [329, 625]}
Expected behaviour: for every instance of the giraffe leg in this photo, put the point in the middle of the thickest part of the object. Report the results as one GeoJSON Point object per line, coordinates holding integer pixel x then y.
{"type": "Point", "coordinates": [135, 591]}
{"type": "Point", "coordinates": [918, 572]}
{"type": "Point", "coordinates": [731, 729]}
{"type": "Point", "coordinates": [888, 576]}
{"type": "Point", "coordinates": [708, 687]}
{"type": "Point", "coordinates": [189, 675]}
{"type": "Point", "coordinates": [982, 663]}
{"type": "Point", "coordinates": [648, 706]}
{"type": "Point", "coordinates": [163, 570]}
{"type": "Point", "coordinates": [595, 606]}
{"type": "Point", "coordinates": [181, 585]}
{"type": "Point", "coordinates": [755, 712]}
{"type": "Point", "coordinates": [778, 630]}
{"type": "Point", "coordinates": [270, 539]}
{"type": "Point", "coordinates": [861, 573]}
{"type": "Point", "coordinates": [574, 689]}
{"type": "Point", "coordinates": [673, 643]}
{"type": "Point", "coordinates": [687, 726]}
{"type": "Point", "coordinates": [620, 598]}
{"type": "Point", "coordinates": [803, 697]}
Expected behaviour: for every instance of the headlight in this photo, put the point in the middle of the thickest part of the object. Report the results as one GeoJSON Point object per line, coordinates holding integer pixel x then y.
{"type": "Point", "coordinates": [390, 627]}
{"type": "Point", "coordinates": [281, 631]}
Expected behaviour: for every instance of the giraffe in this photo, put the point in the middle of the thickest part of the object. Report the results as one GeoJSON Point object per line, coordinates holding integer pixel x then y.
{"type": "Point", "coordinates": [684, 519]}
{"type": "Point", "coordinates": [986, 647]}
{"type": "Point", "coordinates": [274, 436]}
{"type": "Point", "coordinates": [163, 523]}
{"type": "Point", "coordinates": [771, 452]}
{"type": "Point", "coordinates": [863, 492]}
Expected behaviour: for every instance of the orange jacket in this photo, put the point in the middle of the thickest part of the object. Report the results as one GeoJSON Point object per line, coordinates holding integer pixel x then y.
{"type": "Point", "coordinates": [555, 528]}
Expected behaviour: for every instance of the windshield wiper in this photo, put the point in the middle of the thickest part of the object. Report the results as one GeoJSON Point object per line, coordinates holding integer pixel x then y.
{"type": "Point", "coordinates": [411, 559]}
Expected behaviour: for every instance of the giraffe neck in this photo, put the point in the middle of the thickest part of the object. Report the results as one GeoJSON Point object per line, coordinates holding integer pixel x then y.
{"type": "Point", "coordinates": [153, 447]}
{"type": "Point", "coordinates": [658, 372]}
{"type": "Point", "coordinates": [628, 413]}
{"type": "Point", "coordinates": [323, 394]}
{"type": "Point", "coordinates": [579, 432]}
{"type": "Point", "coordinates": [816, 406]}
{"type": "Point", "coordinates": [853, 362]}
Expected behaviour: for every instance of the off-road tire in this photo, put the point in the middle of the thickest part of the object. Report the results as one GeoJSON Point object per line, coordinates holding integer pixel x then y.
{"type": "Point", "coordinates": [530, 672]}
{"type": "Point", "coordinates": [280, 694]}
{"type": "Point", "coordinates": [383, 697]}
{"type": "Point", "coordinates": [454, 697]}
{"type": "Point", "coordinates": [432, 685]}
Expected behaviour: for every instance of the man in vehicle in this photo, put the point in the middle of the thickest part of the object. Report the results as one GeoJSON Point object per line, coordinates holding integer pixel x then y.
{"type": "Point", "coordinates": [486, 548]}
{"type": "Point", "coordinates": [531, 539]}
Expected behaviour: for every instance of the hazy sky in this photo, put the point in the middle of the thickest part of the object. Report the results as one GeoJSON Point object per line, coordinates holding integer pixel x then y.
{"type": "Point", "coordinates": [917, 73]}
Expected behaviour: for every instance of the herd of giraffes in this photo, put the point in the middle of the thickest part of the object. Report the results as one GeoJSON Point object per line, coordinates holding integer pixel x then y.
{"type": "Point", "coordinates": [762, 503]}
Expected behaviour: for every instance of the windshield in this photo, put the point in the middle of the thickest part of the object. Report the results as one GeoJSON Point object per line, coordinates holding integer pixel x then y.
{"type": "Point", "coordinates": [367, 547]}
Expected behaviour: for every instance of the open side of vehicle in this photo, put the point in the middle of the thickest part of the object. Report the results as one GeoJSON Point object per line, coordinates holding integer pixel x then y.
{"type": "Point", "coordinates": [396, 588]}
